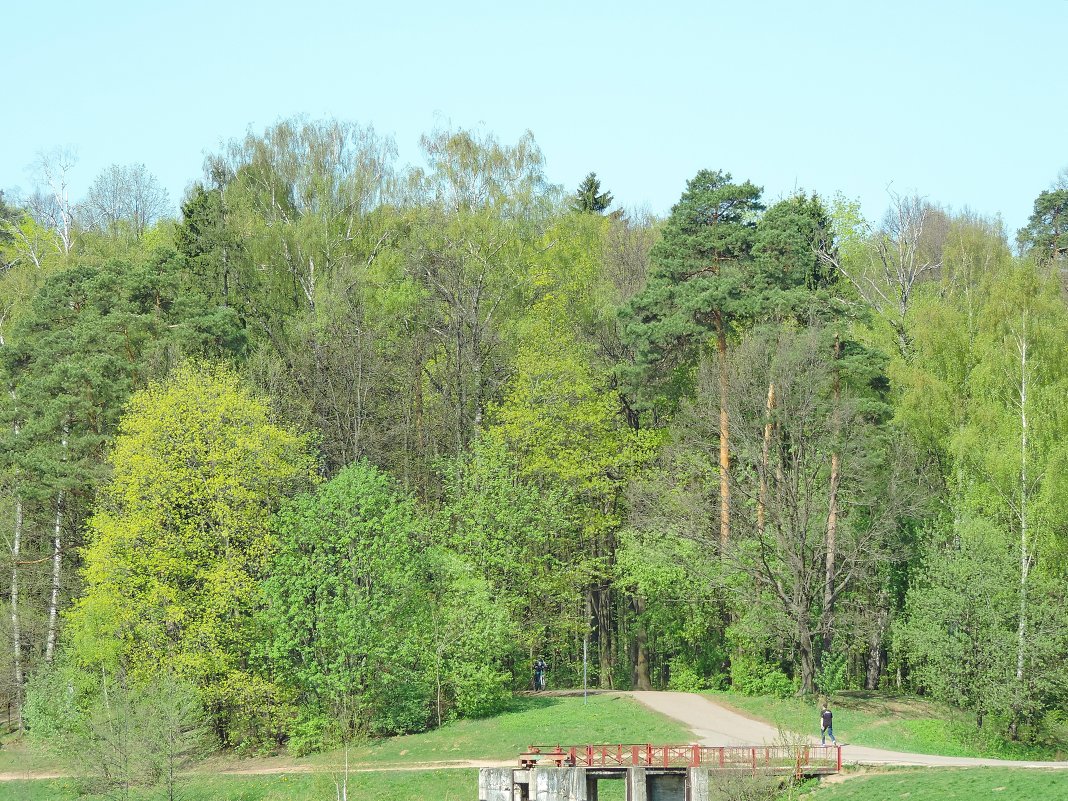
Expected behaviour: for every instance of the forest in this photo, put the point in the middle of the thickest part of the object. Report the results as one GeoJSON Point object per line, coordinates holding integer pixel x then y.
{"type": "Point", "coordinates": [346, 445]}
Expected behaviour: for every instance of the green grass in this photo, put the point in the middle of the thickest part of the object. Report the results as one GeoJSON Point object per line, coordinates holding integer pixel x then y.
{"type": "Point", "coordinates": [949, 784]}
{"type": "Point", "coordinates": [17, 754]}
{"type": "Point", "coordinates": [541, 720]}
{"type": "Point", "coordinates": [896, 723]}
{"type": "Point", "coordinates": [454, 785]}
{"type": "Point", "coordinates": [533, 720]}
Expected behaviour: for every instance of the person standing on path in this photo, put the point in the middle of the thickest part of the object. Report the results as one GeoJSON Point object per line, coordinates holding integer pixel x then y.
{"type": "Point", "coordinates": [826, 726]}
{"type": "Point", "coordinates": [539, 674]}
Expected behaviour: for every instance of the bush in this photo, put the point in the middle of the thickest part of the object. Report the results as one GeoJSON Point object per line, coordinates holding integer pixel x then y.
{"type": "Point", "coordinates": [686, 678]}
{"type": "Point", "coordinates": [754, 677]}
{"type": "Point", "coordinates": [251, 713]}
{"type": "Point", "coordinates": [480, 690]}
{"type": "Point", "coordinates": [117, 735]}
{"type": "Point", "coordinates": [399, 701]}
{"type": "Point", "coordinates": [311, 732]}
{"type": "Point", "coordinates": [831, 677]}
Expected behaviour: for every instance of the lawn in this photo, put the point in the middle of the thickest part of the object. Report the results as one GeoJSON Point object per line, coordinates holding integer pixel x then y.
{"type": "Point", "coordinates": [896, 723]}
{"type": "Point", "coordinates": [532, 720]}
{"type": "Point", "coordinates": [451, 785]}
{"type": "Point", "coordinates": [542, 720]}
{"type": "Point", "coordinates": [949, 784]}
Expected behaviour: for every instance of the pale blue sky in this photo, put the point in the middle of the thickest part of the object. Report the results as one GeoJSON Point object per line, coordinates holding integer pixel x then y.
{"type": "Point", "coordinates": [966, 102]}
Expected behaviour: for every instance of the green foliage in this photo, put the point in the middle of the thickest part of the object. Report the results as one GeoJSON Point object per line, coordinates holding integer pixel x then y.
{"type": "Point", "coordinates": [1046, 232]}
{"type": "Point", "coordinates": [180, 538]}
{"type": "Point", "coordinates": [589, 199]}
{"type": "Point", "coordinates": [701, 282]}
{"type": "Point", "coordinates": [752, 676]}
{"type": "Point", "coordinates": [831, 675]}
{"type": "Point", "coordinates": [515, 534]}
{"type": "Point", "coordinates": [121, 736]}
{"type": "Point", "coordinates": [480, 690]}
{"type": "Point", "coordinates": [537, 390]}
{"type": "Point", "coordinates": [370, 626]}
{"type": "Point", "coordinates": [685, 678]}
{"type": "Point", "coordinates": [343, 592]}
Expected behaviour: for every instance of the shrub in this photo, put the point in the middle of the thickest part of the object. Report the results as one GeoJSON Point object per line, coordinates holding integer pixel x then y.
{"type": "Point", "coordinates": [751, 676]}
{"type": "Point", "coordinates": [480, 690]}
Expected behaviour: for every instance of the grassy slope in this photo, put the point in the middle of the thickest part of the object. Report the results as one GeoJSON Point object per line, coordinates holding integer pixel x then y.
{"type": "Point", "coordinates": [533, 720]}
{"type": "Point", "coordinates": [459, 785]}
{"type": "Point", "coordinates": [894, 723]}
{"type": "Point", "coordinates": [949, 784]}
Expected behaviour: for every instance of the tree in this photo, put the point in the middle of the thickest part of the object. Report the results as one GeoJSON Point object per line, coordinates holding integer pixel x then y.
{"type": "Point", "coordinates": [517, 532]}
{"type": "Point", "coordinates": [484, 209]}
{"type": "Point", "coordinates": [958, 630]}
{"type": "Point", "coordinates": [124, 197]}
{"type": "Point", "coordinates": [89, 338]}
{"type": "Point", "coordinates": [785, 604]}
{"type": "Point", "coordinates": [347, 605]}
{"type": "Point", "coordinates": [589, 199]}
{"type": "Point", "coordinates": [121, 735]}
{"type": "Point", "coordinates": [888, 265]}
{"type": "Point", "coordinates": [560, 421]}
{"type": "Point", "coordinates": [1018, 385]}
{"type": "Point", "coordinates": [1046, 232]}
{"type": "Point", "coordinates": [699, 286]}
{"type": "Point", "coordinates": [984, 392]}
{"type": "Point", "coordinates": [51, 206]}
{"type": "Point", "coordinates": [298, 234]}
{"type": "Point", "coordinates": [181, 540]}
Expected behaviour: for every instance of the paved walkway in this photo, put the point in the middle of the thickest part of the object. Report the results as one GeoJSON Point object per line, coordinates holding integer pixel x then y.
{"type": "Point", "coordinates": [713, 724]}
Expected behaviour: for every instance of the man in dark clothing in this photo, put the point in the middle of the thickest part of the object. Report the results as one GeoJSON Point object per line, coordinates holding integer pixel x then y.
{"type": "Point", "coordinates": [826, 727]}
{"type": "Point", "coordinates": [539, 674]}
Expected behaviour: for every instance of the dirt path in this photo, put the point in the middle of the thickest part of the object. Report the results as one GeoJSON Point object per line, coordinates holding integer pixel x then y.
{"type": "Point", "coordinates": [278, 770]}
{"type": "Point", "coordinates": [713, 724]}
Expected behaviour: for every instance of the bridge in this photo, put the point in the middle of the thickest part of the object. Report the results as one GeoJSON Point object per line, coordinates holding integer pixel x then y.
{"type": "Point", "coordinates": [650, 772]}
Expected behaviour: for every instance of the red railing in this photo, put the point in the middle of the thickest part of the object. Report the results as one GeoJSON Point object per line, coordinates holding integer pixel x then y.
{"type": "Point", "coordinates": [755, 758]}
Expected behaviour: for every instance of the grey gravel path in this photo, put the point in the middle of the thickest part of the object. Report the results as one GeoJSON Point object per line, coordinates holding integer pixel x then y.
{"type": "Point", "coordinates": [713, 724]}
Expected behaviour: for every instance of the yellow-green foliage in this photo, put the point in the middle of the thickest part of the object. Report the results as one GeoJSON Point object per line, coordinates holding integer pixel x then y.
{"type": "Point", "coordinates": [180, 537]}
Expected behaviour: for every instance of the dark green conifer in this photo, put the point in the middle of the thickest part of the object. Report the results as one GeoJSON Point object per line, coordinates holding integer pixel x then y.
{"type": "Point", "coordinates": [589, 199]}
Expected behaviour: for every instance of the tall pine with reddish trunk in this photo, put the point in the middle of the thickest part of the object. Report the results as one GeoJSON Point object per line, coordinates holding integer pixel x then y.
{"type": "Point", "coordinates": [700, 287]}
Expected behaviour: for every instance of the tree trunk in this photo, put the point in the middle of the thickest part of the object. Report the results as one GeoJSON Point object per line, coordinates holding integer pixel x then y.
{"type": "Point", "coordinates": [16, 621]}
{"type": "Point", "coordinates": [641, 643]}
{"type": "Point", "coordinates": [832, 505]}
{"type": "Point", "coordinates": [604, 636]}
{"type": "Point", "coordinates": [724, 440]}
{"type": "Point", "coordinates": [1025, 556]}
{"type": "Point", "coordinates": [762, 501]}
{"type": "Point", "coordinates": [57, 566]}
{"type": "Point", "coordinates": [808, 662]}
{"type": "Point", "coordinates": [875, 644]}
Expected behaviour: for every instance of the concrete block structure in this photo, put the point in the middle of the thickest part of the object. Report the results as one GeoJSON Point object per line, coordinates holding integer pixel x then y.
{"type": "Point", "coordinates": [649, 773]}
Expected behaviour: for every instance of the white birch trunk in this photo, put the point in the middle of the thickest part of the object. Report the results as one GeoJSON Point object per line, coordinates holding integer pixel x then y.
{"type": "Point", "coordinates": [1025, 556]}
{"type": "Point", "coordinates": [57, 568]}
{"type": "Point", "coordinates": [16, 621]}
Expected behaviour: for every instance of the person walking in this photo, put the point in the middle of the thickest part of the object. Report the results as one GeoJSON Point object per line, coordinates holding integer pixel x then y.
{"type": "Point", "coordinates": [827, 726]}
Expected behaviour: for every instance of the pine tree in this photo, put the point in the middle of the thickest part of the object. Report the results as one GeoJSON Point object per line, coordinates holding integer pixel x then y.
{"type": "Point", "coordinates": [589, 199]}
{"type": "Point", "coordinates": [700, 286]}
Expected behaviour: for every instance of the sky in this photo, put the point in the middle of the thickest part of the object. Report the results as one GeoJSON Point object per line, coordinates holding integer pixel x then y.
{"type": "Point", "coordinates": [963, 103]}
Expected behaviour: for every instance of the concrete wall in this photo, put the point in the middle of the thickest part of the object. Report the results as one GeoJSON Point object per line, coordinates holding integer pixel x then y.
{"type": "Point", "coordinates": [636, 786]}
{"type": "Point", "coordinates": [495, 784]}
{"type": "Point", "coordinates": [576, 784]}
{"type": "Point", "coordinates": [669, 787]}
{"type": "Point", "coordinates": [558, 784]}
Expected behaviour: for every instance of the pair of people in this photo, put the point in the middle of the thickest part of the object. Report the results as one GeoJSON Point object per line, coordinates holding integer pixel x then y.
{"type": "Point", "coordinates": [539, 674]}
